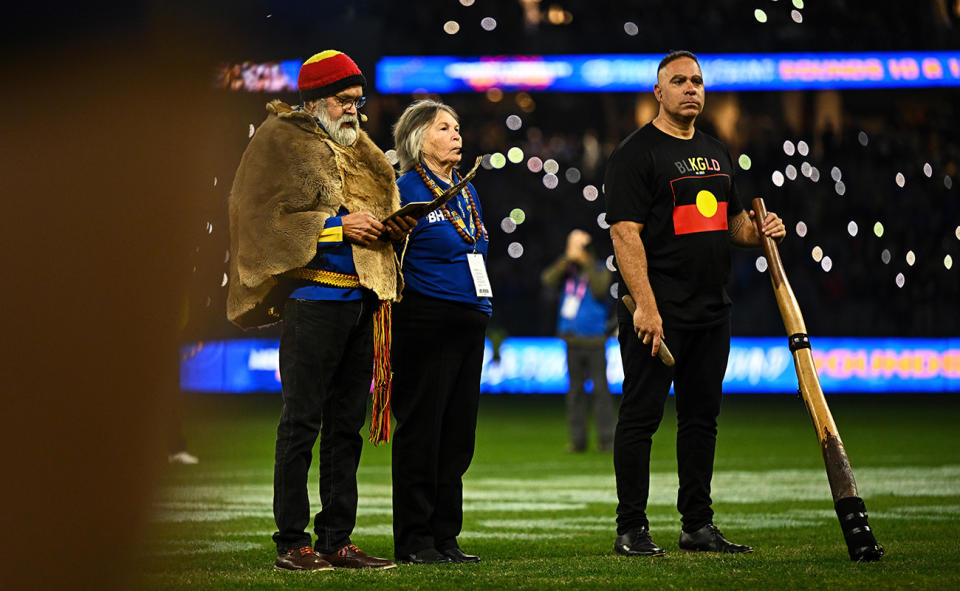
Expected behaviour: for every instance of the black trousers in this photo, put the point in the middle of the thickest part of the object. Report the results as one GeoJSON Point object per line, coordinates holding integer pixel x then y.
{"type": "Point", "coordinates": [697, 377]}
{"type": "Point", "coordinates": [326, 367]}
{"type": "Point", "coordinates": [588, 360]}
{"type": "Point", "coordinates": [437, 359]}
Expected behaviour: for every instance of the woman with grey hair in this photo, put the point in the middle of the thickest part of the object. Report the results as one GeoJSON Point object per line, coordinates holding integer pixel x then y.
{"type": "Point", "coordinates": [438, 340]}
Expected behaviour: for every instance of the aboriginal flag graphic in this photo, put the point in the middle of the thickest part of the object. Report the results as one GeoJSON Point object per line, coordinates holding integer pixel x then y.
{"type": "Point", "coordinates": [700, 203]}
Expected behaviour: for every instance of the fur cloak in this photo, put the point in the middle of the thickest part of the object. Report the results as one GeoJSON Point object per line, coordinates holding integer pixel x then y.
{"type": "Point", "coordinates": [291, 178]}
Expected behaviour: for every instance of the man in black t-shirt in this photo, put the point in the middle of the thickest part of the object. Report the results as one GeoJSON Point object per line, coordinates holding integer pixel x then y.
{"type": "Point", "coordinates": [674, 212]}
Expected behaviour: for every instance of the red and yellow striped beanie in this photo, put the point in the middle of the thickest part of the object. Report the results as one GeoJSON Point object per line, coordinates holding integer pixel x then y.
{"type": "Point", "coordinates": [326, 74]}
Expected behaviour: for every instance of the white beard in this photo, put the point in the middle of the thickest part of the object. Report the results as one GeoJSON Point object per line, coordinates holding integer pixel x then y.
{"type": "Point", "coordinates": [345, 136]}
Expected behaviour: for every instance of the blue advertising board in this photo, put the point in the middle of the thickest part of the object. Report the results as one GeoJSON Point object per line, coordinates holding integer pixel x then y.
{"type": "Point", "coordinates": [538, 365]}
{"type": "Point", "coordinates": [638, 72]}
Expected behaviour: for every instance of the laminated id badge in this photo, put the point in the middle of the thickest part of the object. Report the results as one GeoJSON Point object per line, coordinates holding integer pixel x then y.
{"type": "Point", "coordinates": [479, 273]}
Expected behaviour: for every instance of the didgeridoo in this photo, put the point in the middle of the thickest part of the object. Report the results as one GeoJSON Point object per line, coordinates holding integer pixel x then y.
{"type": "Point", "coordinates": [663, 353]}
{"type": "Point", "coordinates": [861, 543]}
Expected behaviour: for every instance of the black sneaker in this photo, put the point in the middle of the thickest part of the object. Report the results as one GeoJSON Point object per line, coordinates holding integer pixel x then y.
{"type": "Point", "coordinates": [709, 539]}
{"type": "Point", "coordinates": [637, 543]}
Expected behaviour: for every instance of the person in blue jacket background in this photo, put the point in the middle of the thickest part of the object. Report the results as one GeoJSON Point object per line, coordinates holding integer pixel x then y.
{"type": "Point", "coordinates": [582, 321]}
{"type": "Point", "coordinates": [438, 340]}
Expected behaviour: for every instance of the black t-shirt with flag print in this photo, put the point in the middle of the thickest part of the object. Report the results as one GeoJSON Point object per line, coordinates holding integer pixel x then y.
{"type": "Point", "coordinates": [683, 192]}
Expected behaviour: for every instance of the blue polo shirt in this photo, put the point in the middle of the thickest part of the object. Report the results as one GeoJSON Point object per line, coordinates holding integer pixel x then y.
{"type": "Point", "coordinates": [333, 254]}
{"type": "Point", "coordinates": [435, 263]}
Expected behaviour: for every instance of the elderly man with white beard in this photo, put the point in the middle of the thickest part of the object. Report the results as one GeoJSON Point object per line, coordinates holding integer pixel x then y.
{"type": "Point", "coordinates": [306, 247]}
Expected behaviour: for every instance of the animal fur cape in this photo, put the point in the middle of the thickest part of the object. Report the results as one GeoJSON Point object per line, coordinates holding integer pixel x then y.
{"type": "Point", "coordinates": [292, 177]}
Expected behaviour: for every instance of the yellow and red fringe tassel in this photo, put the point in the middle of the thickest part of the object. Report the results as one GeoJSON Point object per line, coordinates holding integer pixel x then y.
{"type": "Point", "coordinates": [382, 374]}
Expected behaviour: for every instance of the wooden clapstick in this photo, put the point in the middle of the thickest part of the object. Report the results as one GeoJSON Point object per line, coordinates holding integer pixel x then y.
{"type": "Point", "coordinates": [851, 511]}
{"type": "Point", "coordinates": [663, 353]}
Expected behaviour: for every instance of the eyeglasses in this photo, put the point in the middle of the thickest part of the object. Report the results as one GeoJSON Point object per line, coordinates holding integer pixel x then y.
{"type": "Point", "coordinates": [345, 103]}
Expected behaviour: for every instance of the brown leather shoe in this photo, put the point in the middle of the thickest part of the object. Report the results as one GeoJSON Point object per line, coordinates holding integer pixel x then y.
{"type": "Point", "coordinates": [304, 558]}
{"type": "Point", "coordinates": [352, 557]}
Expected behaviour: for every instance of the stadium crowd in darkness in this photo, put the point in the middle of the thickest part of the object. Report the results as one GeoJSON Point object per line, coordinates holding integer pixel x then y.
{"type": "Point", "coordinates": [868, 136]}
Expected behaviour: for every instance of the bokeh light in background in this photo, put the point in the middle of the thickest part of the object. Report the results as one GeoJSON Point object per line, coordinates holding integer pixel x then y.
{"type": "Point", "coordinates": [451, 27]}
{"type": "Point", "coordinates": [744, 162]}
{"type": "Point", "coordinates": [515, 155]}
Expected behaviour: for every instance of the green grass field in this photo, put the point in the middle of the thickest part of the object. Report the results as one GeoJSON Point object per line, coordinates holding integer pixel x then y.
{"type": "Point", "coordinates": [544, 519]}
